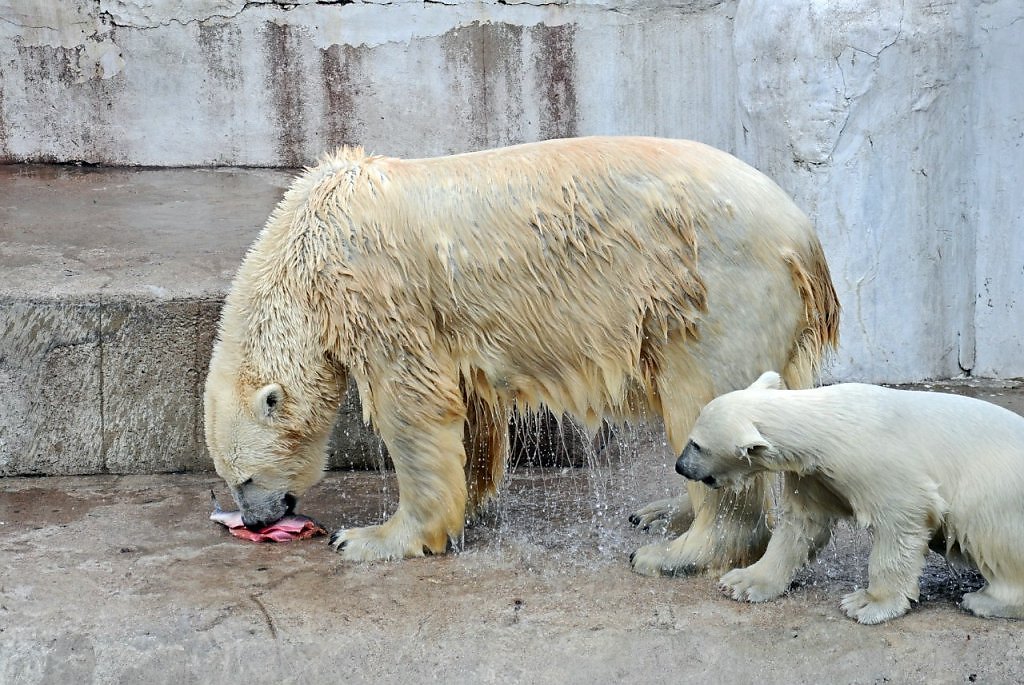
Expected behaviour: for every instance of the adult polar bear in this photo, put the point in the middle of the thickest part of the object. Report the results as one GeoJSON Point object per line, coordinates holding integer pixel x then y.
{"type": "Point", "coordinates": [603, 277]}
{"type": "Point", "coordinates": [919, 468]}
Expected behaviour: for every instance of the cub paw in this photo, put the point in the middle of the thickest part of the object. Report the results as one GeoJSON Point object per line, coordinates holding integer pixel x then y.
{"type": "Point", "coordinates": [983, 603]}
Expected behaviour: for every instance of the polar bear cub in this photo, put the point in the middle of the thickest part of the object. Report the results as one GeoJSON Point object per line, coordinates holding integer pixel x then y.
{"type": "Point", "coordinates": [919, 469]}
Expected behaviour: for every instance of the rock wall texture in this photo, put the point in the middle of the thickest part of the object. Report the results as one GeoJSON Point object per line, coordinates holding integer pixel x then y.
{"type": "Point", "coordinates": [898, 126]}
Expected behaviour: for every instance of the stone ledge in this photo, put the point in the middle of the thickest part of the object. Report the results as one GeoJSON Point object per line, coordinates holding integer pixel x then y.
{"type": "Point", "coordinates": [112, 285]}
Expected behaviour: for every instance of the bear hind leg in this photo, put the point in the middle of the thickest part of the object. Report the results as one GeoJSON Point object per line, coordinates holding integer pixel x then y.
{"type": "Point", "coordinates": [998, 599]}
{"type": "Point", "coordinates": [672, 514]}
{"type": "Point", "coordinates": [486, 445]}
{"type": "Point", "coordinates": [729, 530]}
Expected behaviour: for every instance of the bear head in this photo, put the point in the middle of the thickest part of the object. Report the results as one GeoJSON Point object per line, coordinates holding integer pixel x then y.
{"type": "Point", "coordinates": [262, 441]}
{"type": "Point", "coordinates": [725, 446]}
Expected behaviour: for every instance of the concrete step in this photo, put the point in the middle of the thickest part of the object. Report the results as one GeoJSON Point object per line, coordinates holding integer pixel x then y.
{"type": "Point", "coordinates": [111, 283]}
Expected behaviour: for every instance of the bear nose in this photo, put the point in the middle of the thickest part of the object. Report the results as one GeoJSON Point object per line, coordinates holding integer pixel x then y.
{"type": "Point", "coordinates": [264, 514]}
{"type": "Point", "coordinates": [683, 469]}
{"type": "Point", "coordinates": [687, 471]}
{"type": "Point", "coordinates": [255, 526]}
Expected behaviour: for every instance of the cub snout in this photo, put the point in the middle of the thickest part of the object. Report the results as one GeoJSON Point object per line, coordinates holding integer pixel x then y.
{"type": "Point", "coordinates": [687, 466]}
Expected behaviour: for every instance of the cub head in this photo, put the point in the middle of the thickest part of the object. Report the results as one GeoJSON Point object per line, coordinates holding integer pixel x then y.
{"type": "Point", "coordinates": [725, 446]}
{"type": "Point", "coordinates": [262, 444]}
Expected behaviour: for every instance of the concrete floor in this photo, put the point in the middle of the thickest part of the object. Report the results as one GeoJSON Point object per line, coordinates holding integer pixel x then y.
{"type": "Point", "coordinates": [113, 579]}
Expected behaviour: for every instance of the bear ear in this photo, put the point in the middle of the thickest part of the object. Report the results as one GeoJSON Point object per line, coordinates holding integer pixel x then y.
{"type": "Point", "coordinates": [769, 380]}
{"type": "Point", "coordinates": [267, 401]}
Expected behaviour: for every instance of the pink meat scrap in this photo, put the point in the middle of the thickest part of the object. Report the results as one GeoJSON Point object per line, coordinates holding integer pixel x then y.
{"type": "Point", "coordinates": [289, 528]}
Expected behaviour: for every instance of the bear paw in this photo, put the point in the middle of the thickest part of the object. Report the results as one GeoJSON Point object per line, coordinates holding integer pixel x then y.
{"type": "Point", "coordinates": [382, 542]}
{"type": "Point", "coordinates": [746, 585]}
{"type": "Point", "coordinates": [869, 609]}
{"type": "Point", "coordinates": [672, 515]}
{"type": "Point", "coordinates": [983, 603]}
{"type": "Point", "coordinates": [671, 558]}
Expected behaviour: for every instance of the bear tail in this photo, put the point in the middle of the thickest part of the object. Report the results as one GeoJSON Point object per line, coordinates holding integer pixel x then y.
{"type": "Point", "coordinates": [819, 334]}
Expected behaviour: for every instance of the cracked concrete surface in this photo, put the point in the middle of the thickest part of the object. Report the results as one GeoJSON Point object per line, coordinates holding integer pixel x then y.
{"type": "Point", "coordinates": [897, 127]}
{"type": "Point", "coordinates": [870, 119]}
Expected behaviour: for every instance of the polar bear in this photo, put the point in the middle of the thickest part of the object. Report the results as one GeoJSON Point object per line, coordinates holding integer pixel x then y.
{"type": "Point", "coordinates": [600, 277]}
{"type": "Point", "coordinates": [919, 469]}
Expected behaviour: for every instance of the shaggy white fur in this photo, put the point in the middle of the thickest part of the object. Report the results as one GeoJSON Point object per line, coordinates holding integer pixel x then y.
{"type": "Point", "coordinates": [917, 468]}
{"type": "Point", "coordinates": [603, 277]}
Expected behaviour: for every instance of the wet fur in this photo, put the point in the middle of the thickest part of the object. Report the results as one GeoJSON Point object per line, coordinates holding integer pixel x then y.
{"type": "Point", "coordinates": [602, 277]}
{"type": "Point", "coordinates": [916, 468]}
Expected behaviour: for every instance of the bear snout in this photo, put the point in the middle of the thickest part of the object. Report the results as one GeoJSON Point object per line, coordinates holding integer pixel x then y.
{"type": "Point", "coordinates": [686, 468]}
{"type": "Point", "coordinates": [709, 481]}
{"type": "Point", "coordinates": [256, 524]}
{"type": "Point", "coordinates": [684, 464]}
{"type": "Point", "coordinates": [260, 512]}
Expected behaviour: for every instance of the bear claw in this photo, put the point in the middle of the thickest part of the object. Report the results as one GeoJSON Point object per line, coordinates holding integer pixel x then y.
{"type": "Point", "coordinates": [336, 542]}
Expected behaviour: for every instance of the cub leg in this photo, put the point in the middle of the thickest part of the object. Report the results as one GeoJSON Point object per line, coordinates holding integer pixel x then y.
{"type": "Point", "coordinates": [799, 535]}
{"type": "Point", "coordinates": [998, 599]}
{"type": "Point", "coordinates": [729, 529]}
{"type": "Point", "coordinates": [894, 571]}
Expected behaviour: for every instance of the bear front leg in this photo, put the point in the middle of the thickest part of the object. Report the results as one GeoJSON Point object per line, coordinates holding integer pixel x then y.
{"type": "Point", "coordinates": [422, 426]}
{"type": "Point", "coordinates": [894, 569]}
{"type": "Point", "coordinates": [729, 529]}
{"type": "Point", "coordinates": [798, 536]}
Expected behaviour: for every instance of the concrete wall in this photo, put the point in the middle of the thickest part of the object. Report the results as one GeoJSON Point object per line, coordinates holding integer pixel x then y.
{"type": "Point", "coordinates": [899, 127]}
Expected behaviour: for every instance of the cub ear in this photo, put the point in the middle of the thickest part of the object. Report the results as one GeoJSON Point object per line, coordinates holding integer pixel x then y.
{"type": "Point", "coordinates": [751, 444]}
{"type": "Point", "coordinates": [267, 401]}
{"type": "Point", "coordinates": [751, 449]}
{"type": "Point", "coordinates": [769, 380]}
